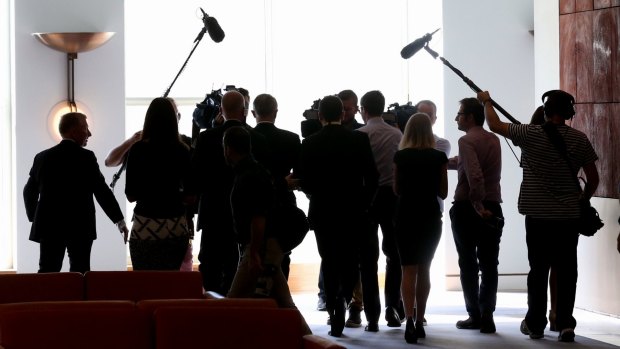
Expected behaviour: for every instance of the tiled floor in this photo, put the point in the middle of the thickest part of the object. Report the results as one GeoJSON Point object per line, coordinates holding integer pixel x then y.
{"type": "Point", "coordinates": [445, 308]}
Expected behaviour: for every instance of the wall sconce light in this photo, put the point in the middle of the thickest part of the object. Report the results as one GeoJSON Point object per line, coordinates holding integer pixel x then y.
{"type": "Point", "coordinates": [60, 109]}
{"type": "Point", "coordinates": [71, 44]}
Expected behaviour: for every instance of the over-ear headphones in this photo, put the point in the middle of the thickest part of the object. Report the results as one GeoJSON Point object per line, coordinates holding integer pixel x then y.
{"type": "Point", "coordinates": [559, 102]}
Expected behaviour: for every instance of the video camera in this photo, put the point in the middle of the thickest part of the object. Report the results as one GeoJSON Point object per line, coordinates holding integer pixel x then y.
{"type": "Point", "coordinates": [206, 111]}
{"type": "Point", "coordinates": [398, 115]}
{"type": "Point", "coordinates": [312, 124]}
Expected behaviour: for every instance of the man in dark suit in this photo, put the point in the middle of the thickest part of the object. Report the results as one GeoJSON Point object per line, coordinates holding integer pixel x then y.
{"type": "Point", "coordinates": [219, 253]}
{"type": "Point", "coordinates": [337, 171]}
{"type": "Point", "coordinates": [284, 147]}
{"type": "Point", "coordinates": [59, 199]}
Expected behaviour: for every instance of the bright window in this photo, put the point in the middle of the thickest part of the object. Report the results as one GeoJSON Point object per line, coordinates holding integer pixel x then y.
{"type": "Point", "coordinates": [6, 137]}
{"type": "Point", "coordinates": [297, 51]}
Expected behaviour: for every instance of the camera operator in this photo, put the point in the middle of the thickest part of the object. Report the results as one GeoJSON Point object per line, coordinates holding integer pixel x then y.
{"type": "Point", "coordinates": [476, 203]}
{"type": "Point", "coordinates": [551, 154]}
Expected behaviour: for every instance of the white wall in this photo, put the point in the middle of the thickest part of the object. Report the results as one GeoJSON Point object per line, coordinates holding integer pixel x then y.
{"type": "Point", "coordinates": [40, 83]}
{"type": "Point", "coordinates": [489, 41]}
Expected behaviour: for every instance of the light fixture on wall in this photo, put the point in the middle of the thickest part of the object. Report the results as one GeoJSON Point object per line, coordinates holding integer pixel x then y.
{"type": "Point", "coordinates": [71, 44]}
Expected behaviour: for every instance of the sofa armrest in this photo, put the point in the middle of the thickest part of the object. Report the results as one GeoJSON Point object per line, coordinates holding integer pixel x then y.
{"type": "Point", "coordinates": [311, 341]}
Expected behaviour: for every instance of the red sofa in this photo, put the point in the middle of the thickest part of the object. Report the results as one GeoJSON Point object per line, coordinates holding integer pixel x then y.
{"type": "Point", "coordinates": [139, 310]}
{"type": "Point", "coordinates": [156, 324]}
{"type": "Point", "coordinates": [233, 328]}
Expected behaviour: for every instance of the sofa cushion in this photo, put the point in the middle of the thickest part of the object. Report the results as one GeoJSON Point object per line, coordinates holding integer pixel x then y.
{"type": "Point", "coordinates": [139, 285]}
{"type": "Point", "coordinates": [69, 325]}
{"type": "Point", "coordinates": [231, 328]}
{"type": "Point", "coordinates": [34, 287]}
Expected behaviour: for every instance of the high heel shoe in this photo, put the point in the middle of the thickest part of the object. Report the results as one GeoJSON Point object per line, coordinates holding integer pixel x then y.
{"type": "Point", "coordinates": [410, 332]}
{"type": "Point", "coordinates": [419, 329]}
{"type": "Point", "coordinates": [552, 321]}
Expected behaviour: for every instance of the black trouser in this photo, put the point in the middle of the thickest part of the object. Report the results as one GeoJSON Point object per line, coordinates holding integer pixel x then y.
{"type": "Point", "coordinates": [383, 209]}
{"type": "Point", "coordinates": [321, 283]}
{"type": "Point", "coordinates": [52, 253]}
{"type": "Point", "coordinates": [477, 244]}
{"type": "Point", "coordinates": [368, 257]}
{"type": "Point", "coordinates": [339, 260]}
{"type": "Point", "coordinates": [219, 258]}
{"type": "Point", "coordinates": [551, 244]}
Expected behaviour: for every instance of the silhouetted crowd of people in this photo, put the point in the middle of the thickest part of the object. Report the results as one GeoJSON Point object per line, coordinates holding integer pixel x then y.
{"type": "Point", "coordinates": [357, 177]}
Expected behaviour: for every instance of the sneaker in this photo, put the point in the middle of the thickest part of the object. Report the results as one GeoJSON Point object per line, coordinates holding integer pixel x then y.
{"type": "Point", "coordinates": [526, 331]}
{"type": "Point", "coordinates": [355, 319]}
{"type": "Point", "coordinates": [567, 335]}
{"type": "Point", "coordinates": [468, 324]}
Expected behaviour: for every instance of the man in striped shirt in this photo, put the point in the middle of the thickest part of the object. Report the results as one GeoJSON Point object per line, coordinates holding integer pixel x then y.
{"type": "Point", "coordinates": [551, 154]}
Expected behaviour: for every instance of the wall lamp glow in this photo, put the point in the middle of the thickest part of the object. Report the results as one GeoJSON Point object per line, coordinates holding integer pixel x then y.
{"type": "Point", "coordinates": [71, 44]}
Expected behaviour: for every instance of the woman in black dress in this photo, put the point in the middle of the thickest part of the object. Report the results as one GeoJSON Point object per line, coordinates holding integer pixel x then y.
{"type": "Point", "coordinates": [420, 176]}
{"type": "Point", "coordinates": [157, 180]}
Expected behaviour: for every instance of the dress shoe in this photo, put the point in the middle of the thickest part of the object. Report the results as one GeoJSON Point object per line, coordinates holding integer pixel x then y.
{"type": "Point", "coordinates": [392, 317]}
{"type": "Point", "coordinates": [526, 331]}
{"type": "Point", "coordinates": [419, 329]}
{"type": "Point", "coordinates": [337, 318]}
{"type": "Point", "coordinates": [372, 327]}
{"type": "Point", "coordinates": [567, 335]}
{"type": "Point", "coordinates": [321, 305]}
{"type": "Point", "coordinates": [336, 325]}
{"type": "Point", "coordinates": [487, 325]}
{"type": "Point", "coordinates": [410, 332]}
{"type": "Point", "coordinates": [355, 318]}
{"type": "Point", "coordinates": [468, 324]}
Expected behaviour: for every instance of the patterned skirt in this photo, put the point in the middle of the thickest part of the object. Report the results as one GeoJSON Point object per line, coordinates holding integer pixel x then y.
{"type": "Point", "coordinates": [158, 244]}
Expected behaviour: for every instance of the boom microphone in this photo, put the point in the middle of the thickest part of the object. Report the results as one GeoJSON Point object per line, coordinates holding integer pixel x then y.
{"type": "Point", "coordinates": [213, 27]}
{"type": "Point", "coordinates": [416, 45]}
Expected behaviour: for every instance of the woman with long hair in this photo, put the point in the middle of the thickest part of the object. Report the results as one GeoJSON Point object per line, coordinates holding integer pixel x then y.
{"type": "Point", "coordinates": [420, 176]}
{"type": "Point", "coordinates": [158, 172]}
